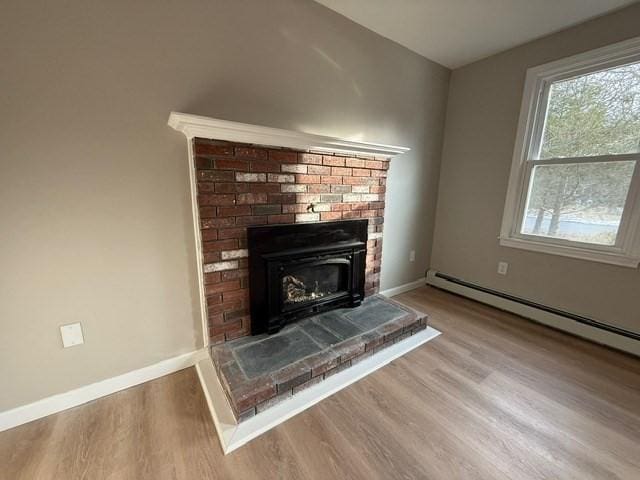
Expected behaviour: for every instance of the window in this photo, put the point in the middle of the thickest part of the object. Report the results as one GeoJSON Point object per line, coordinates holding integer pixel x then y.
{"type": "Point", "coordinates": [575, 179]}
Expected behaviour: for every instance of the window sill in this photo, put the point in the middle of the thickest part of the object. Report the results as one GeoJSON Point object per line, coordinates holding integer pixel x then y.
{"type": "Point", "coordinates": [594, 255]}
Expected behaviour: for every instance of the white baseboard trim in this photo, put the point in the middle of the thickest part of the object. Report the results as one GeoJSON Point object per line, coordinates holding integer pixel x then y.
{"type": "Point", "coordinates": [594, 334]}
{"type": "Point", "coordinates": [233, 435]}
{"type": "Point", "coordinates": [390, 292]}
{"type": "Point", "coordinates": [63, 401]}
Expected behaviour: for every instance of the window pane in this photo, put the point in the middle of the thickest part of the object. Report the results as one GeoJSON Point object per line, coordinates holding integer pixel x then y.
{"type": "Point", "coordinates": [582, 202]}
{"type": "Point", "coordinates": [594, 114]}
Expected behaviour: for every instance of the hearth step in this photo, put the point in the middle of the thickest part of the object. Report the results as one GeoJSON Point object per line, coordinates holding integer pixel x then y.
{"type": "Point", "coordinates": [258, 372]}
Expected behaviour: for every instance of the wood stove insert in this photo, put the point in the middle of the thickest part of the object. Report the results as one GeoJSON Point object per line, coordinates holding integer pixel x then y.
{"type": "Point", "coordinates": [303, 269]}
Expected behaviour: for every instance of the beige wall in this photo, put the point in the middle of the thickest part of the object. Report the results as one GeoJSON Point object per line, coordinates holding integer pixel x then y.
{"type": "Point", "coordinates": [482, 116]}
{"type": "Point", "coordinates": [94, 201]}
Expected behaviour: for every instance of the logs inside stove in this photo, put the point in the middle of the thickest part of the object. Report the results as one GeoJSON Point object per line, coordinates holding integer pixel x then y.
{"type": "Point", "coordinates": [302, 269]}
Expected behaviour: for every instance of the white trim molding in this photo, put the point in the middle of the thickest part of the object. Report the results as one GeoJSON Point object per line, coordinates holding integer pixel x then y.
{"type": "Point", "coordinates": [193, 186]}
{"type": "Point", "coordinates": [205, 127]}
{"type": "Point", "coordinates": [407, 287]}
{"type": "Point", "coordinates": [233, 435]}
{"type": "Point", "coordinates": [611, 258]}
{"type": "Point", "coordinates": [526, 156]}
{"type": "Point", "coordinates": [57, 403]}
{"type": "Point", "coordinates": [604, 337]}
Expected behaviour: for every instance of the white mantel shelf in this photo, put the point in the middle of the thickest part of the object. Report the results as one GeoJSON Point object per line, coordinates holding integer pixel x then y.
{"type": "Point", "coordinates": [205, 127]}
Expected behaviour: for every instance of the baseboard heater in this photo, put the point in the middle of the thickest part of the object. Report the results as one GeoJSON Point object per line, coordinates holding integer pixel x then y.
{"type": "Point", "coordinates": [600, 332]}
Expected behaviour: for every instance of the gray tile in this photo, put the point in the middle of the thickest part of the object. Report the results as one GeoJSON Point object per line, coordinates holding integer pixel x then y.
{"type": "Point", "coordinates": [338, 324]}
{"type": "Point", "coordinates": [373, 313]}
{"type": "Point", "coordinates": [320, 334]}
{"type": "Point", "coordinates": [275, 352]}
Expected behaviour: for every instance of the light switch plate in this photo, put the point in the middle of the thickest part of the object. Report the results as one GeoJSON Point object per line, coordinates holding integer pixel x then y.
{"type": "Point", "coordinates": [71, 335]}
{"type": "Point", "coordinates": [412, 256]}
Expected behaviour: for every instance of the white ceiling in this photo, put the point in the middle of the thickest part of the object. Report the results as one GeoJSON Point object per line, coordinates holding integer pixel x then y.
{"type": "Point", "coordinates": [456, 32]}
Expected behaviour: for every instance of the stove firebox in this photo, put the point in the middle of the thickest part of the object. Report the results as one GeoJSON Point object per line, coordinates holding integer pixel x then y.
{"type": "Point", "coordinates": [303, 269]}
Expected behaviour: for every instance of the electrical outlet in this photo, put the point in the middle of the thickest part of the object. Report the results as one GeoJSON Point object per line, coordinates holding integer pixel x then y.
{"type": "Point", "coordinates": [71, 335]}
{"type": "Point", "coordinates": [502, 268]}
{"type": "Point", "coordinates": [412, 256]}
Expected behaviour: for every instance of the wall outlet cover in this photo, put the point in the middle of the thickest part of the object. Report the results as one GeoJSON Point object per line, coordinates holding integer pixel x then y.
{"type": "Point", "coordinates": [503, 267]}
{"type": "Point", "coordinates": [71, 335]}
{"type": "Point", "coordinates": [412, 256]}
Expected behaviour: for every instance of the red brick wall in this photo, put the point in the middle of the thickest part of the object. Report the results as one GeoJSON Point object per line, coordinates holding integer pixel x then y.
{"type": "Point", "coordinates": [241, 185]}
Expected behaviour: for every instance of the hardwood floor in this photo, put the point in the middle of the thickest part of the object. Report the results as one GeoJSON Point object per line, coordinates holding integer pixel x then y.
{"type": "Point", "coordinates": [494, 397]}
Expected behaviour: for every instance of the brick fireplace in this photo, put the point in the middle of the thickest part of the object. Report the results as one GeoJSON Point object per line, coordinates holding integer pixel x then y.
{"type": "Point", "coordinates": [240, 185]}
{"type": "Point", "coordinates": [289, 242]}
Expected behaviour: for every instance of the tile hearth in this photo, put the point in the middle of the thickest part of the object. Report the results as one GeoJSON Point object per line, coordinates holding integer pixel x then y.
{"type": "Point", "coordinates": [258, 372]}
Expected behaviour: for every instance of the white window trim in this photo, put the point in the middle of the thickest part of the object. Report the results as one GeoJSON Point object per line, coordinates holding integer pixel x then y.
{"type": "Point", "coordinates": [626, 252]}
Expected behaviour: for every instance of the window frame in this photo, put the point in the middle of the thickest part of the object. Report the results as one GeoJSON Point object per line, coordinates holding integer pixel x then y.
{"type": "Point", "coordinates": [626, 251]}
